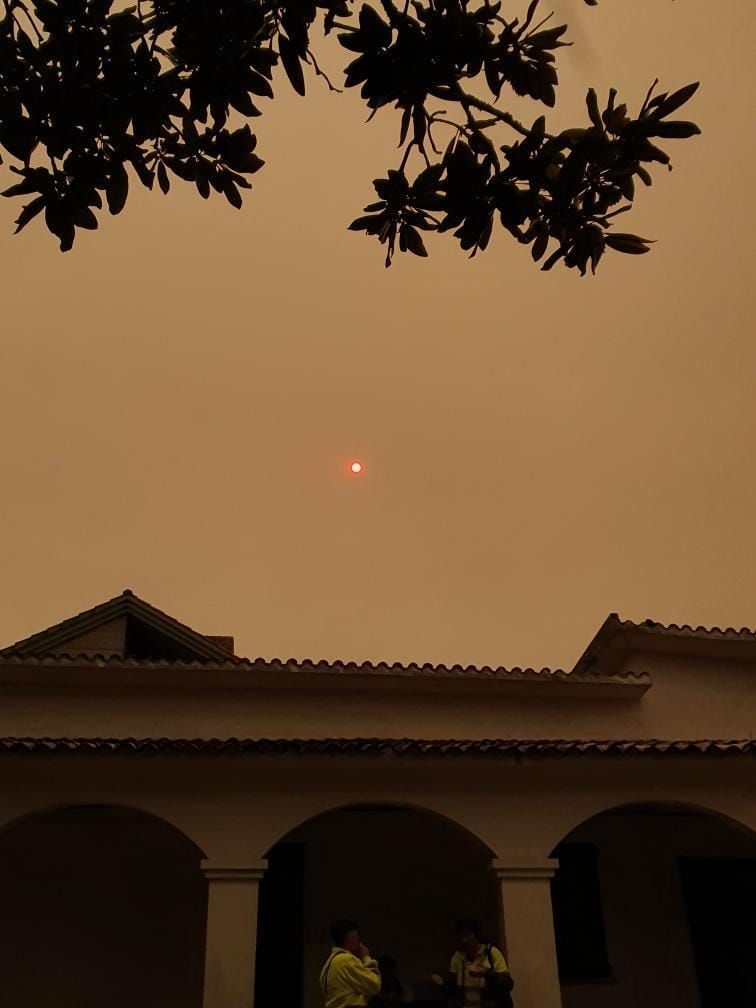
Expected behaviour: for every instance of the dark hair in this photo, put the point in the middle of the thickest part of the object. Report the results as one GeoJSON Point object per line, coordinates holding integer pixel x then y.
{"type": "Point", "coordinates": [341, 928]}
{"type": "Point", "coordinates": [468, 924]}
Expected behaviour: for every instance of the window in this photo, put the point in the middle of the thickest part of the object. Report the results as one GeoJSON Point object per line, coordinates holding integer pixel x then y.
{"type": "Point", "coordinates": [578, 916]}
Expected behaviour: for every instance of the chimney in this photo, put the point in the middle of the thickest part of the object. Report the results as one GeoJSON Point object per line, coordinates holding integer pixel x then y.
{"type": "Point", "coordinates": [227, 643]}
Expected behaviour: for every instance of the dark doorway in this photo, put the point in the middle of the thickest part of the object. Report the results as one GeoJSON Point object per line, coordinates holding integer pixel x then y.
{"type": "Point", "coordinates": [720, 899]}
{"type": "Point", "coordinates": [578, 915]}
{"type": "Point", "coordinates": [404, 874]}
{"type": "Point", "coordinates": [280, 946]}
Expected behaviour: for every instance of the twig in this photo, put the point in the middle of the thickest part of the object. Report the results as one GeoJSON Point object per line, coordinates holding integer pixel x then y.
{"type": "Point", "coordinates": [541, 23]}
{"type": "Point", "coordinates": [482, 106]}
{"type": "Point", "coordinates": [648, 97]}
{"type": "Point", "coordinates": [405, 159]}
{"type": "Point", "coordinates": [320, 73]}
{"type": "Point", "coordinates": [465, 102]}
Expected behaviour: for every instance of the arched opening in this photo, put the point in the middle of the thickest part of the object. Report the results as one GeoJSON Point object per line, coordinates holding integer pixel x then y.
{"type": "Point", "coordinates": [100, 906]}
{"type": "Point", "coordinates": [404, 874]}
{"type": "Point", "coordinates": [656, 905]}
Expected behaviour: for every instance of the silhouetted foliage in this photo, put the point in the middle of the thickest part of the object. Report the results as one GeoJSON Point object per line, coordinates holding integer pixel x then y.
{"type": "Point", "coordinates": [92, 96]}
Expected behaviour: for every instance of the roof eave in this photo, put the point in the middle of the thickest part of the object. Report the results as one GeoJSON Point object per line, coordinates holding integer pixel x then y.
{"type": "Point", "coordinates": [237, 674]}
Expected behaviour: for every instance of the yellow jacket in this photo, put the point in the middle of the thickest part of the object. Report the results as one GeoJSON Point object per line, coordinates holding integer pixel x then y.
{"type": "Point", "coordinates": [348, 982]}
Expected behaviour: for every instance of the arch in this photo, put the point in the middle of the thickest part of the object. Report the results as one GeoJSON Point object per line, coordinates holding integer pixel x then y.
{"type": "Point", "coordinates": [291, 821]}
{"type": "Point", "coordinates": [388, 805]}
{"type": "Point", "coordinates": [404, 871]}
{"type": "Point", "coordinates": [567, 817]}
{"type": "Point", "coordinates": [656, 896]}
{"type": "Point", "coordinates": [108, 904]}
{"type": "Point", "coordinates": [50, 811]}
{"type": "Point", "coordinates": [31, 812]}
{"type": "Point", "coordinates": [580, 814]}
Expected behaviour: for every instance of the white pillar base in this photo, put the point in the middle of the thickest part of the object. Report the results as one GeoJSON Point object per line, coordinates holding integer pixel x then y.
{"type": "Point", "coordinates": [529, 930]}
{"type": "Point", "coordinates": [231, 941]}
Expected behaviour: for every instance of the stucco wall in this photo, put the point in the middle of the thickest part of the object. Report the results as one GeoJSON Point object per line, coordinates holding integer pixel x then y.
{"type": "Point", "coordinates": [689, 698]}
{"type": "Point", "coordinates": [238, 807]}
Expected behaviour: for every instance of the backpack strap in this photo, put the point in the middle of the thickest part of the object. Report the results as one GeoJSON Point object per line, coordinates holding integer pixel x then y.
{"type": "Point", "coordinates": [328, 970]}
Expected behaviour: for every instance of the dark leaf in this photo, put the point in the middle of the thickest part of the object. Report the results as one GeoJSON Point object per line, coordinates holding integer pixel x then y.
{"type": "Point", "coordinates": [184, 169]}
{"type": "Point", "coordinates": [414, 241]}
{"type": "Point", "coordinates": [203, 185]}
{"type": "Point", "coordinates": [29, 212]}
{"type": "Point", "coordinates": [406, 120]}
{"type": "Point", "coordinates": [374, 28]}
{"type": "Point", "coordinates": [553, 259]}
{"type": "Point", "coordinates": [117, 190]}
{"type": "Point", "coordinates": [83, 217]}
{"type": "Point", "coordinates": [628, 243]}
{"type": "Point", "coordinates": [676, 130]}
{"type": "Point", "coordinates": [248, 163]}
{"type": "Point", "coordinates": [292, 64]}
{"type": "Point", "coordinates": [146, 175]}
{"type": "Point", "coordinates": [19, 137]}
{"type": "Point", "coordinates": [627, 186]}
{"type": "Point", "coordinates": [59, 222]}
{"type": "Point", "coordinates": [674, 101]}
{"type": "Point", "coordinates": [367, 223]}
{"type": "Point", "coordinates": [419, 124]}
{"type": "Point", "coordinates": [232, 193]}
{"type": "Point", "coordinates": [258, 85]}
{"type": "Point", "coordinates": [539, 246]}
{"type": "Point", "coordinates": [593, 110]}
{"type": "Point", "coordinates": [162, 176]}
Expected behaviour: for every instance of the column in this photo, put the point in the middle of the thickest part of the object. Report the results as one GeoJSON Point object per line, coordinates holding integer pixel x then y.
{"type": "Point", "coordinates": [231, 940]}
{"type": "Point", "coordinates": [529, 930]}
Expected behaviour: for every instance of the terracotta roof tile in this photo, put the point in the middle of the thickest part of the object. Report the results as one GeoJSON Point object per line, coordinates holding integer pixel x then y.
{"type": "Point", "coordinates": [729, 633]}
{"type": "Point", "coordinates": [378, 746]}
{"type": "Point", "coordinates": [323, 667]}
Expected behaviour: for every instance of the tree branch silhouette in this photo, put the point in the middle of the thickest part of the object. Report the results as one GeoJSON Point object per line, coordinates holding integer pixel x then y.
{"type": "Point", "coordinates": [97, 98]}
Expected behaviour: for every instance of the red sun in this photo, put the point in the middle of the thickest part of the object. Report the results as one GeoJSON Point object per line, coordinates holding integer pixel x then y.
{"type": "Point", "coordinates": [355, 468]}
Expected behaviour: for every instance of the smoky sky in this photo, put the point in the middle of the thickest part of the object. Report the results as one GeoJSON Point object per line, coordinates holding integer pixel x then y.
{"type": "Point", "coordinates": [181, 394]}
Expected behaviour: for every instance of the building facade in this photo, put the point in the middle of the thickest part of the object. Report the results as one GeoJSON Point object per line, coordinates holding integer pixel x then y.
{"type": "Point", "coordinates": [178, 825]}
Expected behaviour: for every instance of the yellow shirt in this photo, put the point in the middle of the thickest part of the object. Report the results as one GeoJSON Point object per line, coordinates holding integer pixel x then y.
{"type": "Point", "coordinates": [461, 967]}
{"type": "Point", "coordinates": [348, 982]}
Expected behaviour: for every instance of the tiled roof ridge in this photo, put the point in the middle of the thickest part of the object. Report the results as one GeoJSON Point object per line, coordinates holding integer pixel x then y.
{"type": "Point", "coordinates": [322, 666]}
{"type": "Point", "coordinates": [686, 628]}
{"type": "Point", "coordinates": [383, 746]}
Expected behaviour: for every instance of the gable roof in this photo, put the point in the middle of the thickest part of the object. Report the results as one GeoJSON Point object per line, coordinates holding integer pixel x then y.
{"type": "Point", "coordinates": [124, 627]}
{"type": "Point", "coordinates": [617, 638]}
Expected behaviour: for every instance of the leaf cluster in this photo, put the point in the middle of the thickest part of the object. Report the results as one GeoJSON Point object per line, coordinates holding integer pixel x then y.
{"type": "Point", "coordinates": [94, 97]}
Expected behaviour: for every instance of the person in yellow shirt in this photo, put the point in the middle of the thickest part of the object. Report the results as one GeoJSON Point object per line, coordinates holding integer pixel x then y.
{"type": "Point", "coordinates": [350, 976]}
{"type": "Point", "coordinates": [478, 974]}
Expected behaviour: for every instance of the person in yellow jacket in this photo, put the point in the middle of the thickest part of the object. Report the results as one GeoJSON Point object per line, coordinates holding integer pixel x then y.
{"type": "Point", "coordinates": [478, 974]}
{"type": "Point", "coordinates": [350, 976]}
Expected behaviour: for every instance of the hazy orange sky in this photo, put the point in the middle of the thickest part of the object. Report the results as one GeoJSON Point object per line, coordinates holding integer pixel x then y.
{"type": "Point", "coordinates": [181, 393]}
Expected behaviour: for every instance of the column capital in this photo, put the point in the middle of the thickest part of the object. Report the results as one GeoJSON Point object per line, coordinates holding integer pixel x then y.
{"type": "Point", "coordinates": [225, 871]}
{"type": "Point", "coordinates": [533, 869]}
